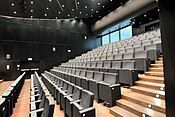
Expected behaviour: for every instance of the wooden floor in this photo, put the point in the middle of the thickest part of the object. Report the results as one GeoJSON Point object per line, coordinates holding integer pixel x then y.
{"type": "Point", "coordinates": [4, 85]}
{"type": "Point", "coordinates": [22, 106]}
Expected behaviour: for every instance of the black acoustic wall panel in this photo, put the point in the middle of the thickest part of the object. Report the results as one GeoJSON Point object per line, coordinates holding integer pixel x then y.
{"type": "Point", "coordinates": [45, 41]}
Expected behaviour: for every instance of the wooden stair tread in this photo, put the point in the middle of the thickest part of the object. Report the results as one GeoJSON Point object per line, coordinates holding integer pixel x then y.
{"type": "Point", "coordinates": [151, 83]}
{"type": "Point", "coordinates": [157, 65]}
{"type": "Point", "coordinates": [156, 69]}
{"type": "Point", "coordinates": [118, 111]}
{"type": "Point", "coordinates": [146, 99]}
{"type": "Point", "coordinates": [144, 89]}
{"type": "Point", "coordinates": [141, 109]}
{"type": "Point", "coordinates": [151, 77]}
{"type": "Point", "coordinates": [153, 73]}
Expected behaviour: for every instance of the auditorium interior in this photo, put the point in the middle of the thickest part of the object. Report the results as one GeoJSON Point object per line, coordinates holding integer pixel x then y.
{"type": "Point", "coordinates": [87, 58]}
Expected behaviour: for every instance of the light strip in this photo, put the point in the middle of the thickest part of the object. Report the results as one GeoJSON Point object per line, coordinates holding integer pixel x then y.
{"type": "Point", "coordinates": [76, 4]}
{"type": "Point", "coordinates": [59, 4]}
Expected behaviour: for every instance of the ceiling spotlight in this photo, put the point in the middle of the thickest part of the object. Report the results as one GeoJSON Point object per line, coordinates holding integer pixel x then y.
{"type": "Point", "coordinates": [73, 9]}
{"type": "Point", "coordinates": [31, 2]}
{"type": "Point", "coordinates": [86, 14]}
{"type": "Point", "coordinates": [99, 3]}
{"type": "Point", "coordinates": [59, 12]}
{"type": "Point", "coordinates": [111, 0]}
{"type": "Point", "coordinates": [145, 15]}
{"type": "Point", "coordinates": [56, 17]}
{"type": "Point", "coordinates": [14, 12]}
{"type": "Point", "coordinates": [96, 11]}
{"type": "Point", "coordinates": [47, 8]}
{"type": "Point", "coordinates": [31, 10]}
{"type": "Point", "coordinates": [80, 12]}
{"type": "Point", "coordinates": [12, 4]}
{"type": "Point", "coordinates": [50, 0]}
{"type": "Point", "coordinates": [68, 15]}
{"type": "Point", "coordinates": [158, 10]}
{"type": "Point", "coordinates": [103, 6]}
{"type": "Point", "coordinates": [85, 7]}
{"type": "Point", "coordinates": [92, 9]}
{"type": "Point", "coordinates": [45, 14]}
{"type": "Point", "coordinates": [31, 16]}
{"type": "Point", "coordinates": [62, 5]}
{"type": "Point", "coordinates": [78, 2]}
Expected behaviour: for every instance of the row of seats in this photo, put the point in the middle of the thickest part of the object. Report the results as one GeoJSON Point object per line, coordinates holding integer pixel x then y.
{"type": "Point", "coordinates": [10, 96]}
{"type": "Point", "coordinates": [41, 102]}
{"type": "Point", "coordinates": [75, 101]}
{"type": "Point", "coordinates": [98, 83]}
{"type": "Point", "coordinates": [126, 70]}
{"type": "Point", "coordinates": [129, 44]}
{"type": "Point", "coordinates": [141, 59]}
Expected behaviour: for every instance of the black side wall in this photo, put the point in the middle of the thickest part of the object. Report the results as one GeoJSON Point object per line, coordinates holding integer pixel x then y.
{"type": "Point", "coordinates": [35, 39]}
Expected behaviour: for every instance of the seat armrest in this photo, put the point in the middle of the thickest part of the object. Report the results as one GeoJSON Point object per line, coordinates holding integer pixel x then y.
{"type": "Point", "coordinates": [87, 110]}
{"type": "Point", "coordinates": [103, 83]}
{"type": "Point", "coordinates": [37, 101]}
{"type": "Point", "coordinates": [36, 112]}
{"type": "Point", "coordinates": [77, 105]}
{"type": "Point", "coordinates": [114, 85]}
{"type": "Point", "coordinates": [75, 101]}
{"type": "Point", "coordinates": [70, 95]}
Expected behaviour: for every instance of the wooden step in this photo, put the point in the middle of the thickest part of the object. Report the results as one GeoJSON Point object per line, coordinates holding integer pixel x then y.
{"type": "Point", "coordinates": [138, 109]}
{"type": "Point", "coordinates": [146, 101]}
{"type": "Point", "coordinates": [156, 69]}
{"type": "Point", "coordinates": [152, 85]}
{"type": "Point", "coordinates": [151, 78]}
{"type": "Point", "coordinates": [159, 62]}
{"type": "Point", "coordinates": [157, 65]}
{"type": "Point", "coordinates": [120, 112]}
{"type": "Point", "coordinates": [149, 92]}
{"type": "Point", "coordinates": [159, 74]}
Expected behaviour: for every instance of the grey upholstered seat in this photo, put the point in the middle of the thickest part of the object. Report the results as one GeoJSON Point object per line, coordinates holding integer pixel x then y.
{"type": "Point", "coordinates": [84, 107]}
{"type": "Point", "coordinates": [128, 74]}
{"type": "Point", "coordinates": [109, 89]}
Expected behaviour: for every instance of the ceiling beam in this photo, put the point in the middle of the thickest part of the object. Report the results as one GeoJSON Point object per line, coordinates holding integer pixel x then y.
{"type": "Point", "coordinates": [129, 10]}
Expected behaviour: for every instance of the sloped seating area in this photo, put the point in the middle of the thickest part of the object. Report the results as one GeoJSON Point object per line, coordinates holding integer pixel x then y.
{"type": "Point", "coordinates": [41, 102]}
{"type": "Point", "coordinates": [143, 49]}
{"type": "Point", "coordinates": [74, 100]}
{"type": "Point", "coordinates": [10, 96]}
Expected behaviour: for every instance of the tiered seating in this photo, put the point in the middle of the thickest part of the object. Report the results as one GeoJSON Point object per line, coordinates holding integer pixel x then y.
{"type": "Point", "coordinates": [93, 81]}
{"type": "Point", "coordinates": [41, 102]}
{"type": "Point", "coordinates": [75, 101]}
{"type": "Point", "coordinates": [143, 49]}
{"type": "Point", "coordinates": [10, 96]}
{"type": "Point", "coordinates": [126, 58]}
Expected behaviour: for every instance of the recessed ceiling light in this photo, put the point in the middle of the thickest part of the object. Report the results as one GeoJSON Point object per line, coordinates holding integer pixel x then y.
{"type": "Point", "coordinates": [78, 2]}
{"type": "Point", "coordinates": [45, 14]}
{"type": "Point", "coordinates": [103, 6]}
{"type": "Point", "coordinates": [47, 8]}
{"type": "Point", "coordinates": [62, 5]}
{"type": "Point", "coordinates": [50, 0]}
{"type": "Point", "coordinates": [86, 14]}
{"type": "Point", "coordinates": [59, 12]}
{"type": "Point", "coordinates": [14, 12]}
{"type": "Point", "coordinates": [99, 3]}
{"type": "Point", "coordinates": [73, 9]}
{"type": "Point", "coordinates": [92, 9]}
{"type": "Point", "coordinates": [85, 7]}
{"type": "Point", "coordinates": [31, 10]}
{"type": "Point", "coordinates": [68, 15]}
{"type": "Point", "coordinates": [31, 16]}
{"type": "Point", "coordinates": [31, 2]}
{"type": "Point", "coordinates": [80, 12]}
{"type": "Point", "coordinates": [96, 11]}
{"type": "Point", "coordinates": [56, 17]}
{"type": "Point", "coordinates": [12, 4]}
{"type": "Point", "coordinates": [145, 15]}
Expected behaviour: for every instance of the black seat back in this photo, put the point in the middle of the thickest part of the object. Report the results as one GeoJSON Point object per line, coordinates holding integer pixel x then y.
{"type": "Point", "coordinates": [48, 107]}
{"type": "Point", "coordinates": [111, 78]}
{"type": "Point", "coordinates": [87, 99]}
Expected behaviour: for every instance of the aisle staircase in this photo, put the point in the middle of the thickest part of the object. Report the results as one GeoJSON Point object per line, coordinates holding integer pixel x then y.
{"type": "Point", "coordinates": [146, 98]}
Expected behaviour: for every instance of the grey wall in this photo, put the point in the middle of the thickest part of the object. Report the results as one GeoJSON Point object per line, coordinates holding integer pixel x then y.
{"type": "Point", "coordinates": [26, 38]}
